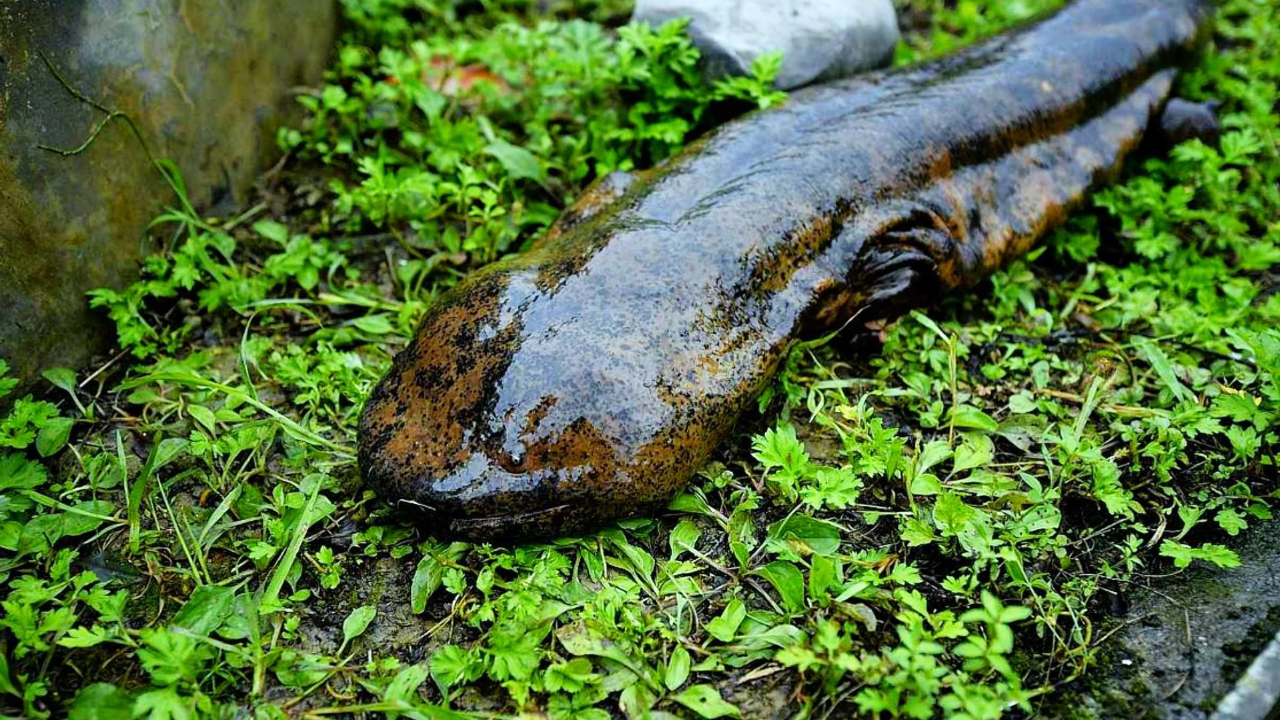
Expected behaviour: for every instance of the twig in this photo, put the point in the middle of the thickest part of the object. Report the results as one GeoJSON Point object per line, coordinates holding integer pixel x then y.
{"type": "Point", "coordinates": [103, 368]}
{"type": "Point", "coordinates": [760, 673]}
{"type": "Point", "coordinates": [97, 130]}
{"type": "Point", "coordinates": [1113, 409]}
{"type": "Point", "coordinates": [1107, 635]}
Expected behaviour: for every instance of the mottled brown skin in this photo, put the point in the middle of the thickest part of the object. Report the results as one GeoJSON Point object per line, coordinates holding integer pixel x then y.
{"type": "Point", "coordinates": [590, 377]}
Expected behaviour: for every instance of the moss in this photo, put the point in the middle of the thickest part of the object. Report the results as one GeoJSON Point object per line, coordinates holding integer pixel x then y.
{"type": "Point", "coordinates": [207, 84]}
{"type": "Point", "coordinates": [1109, 688]}
{"type": "Point", "coordinates": [1240, 655]}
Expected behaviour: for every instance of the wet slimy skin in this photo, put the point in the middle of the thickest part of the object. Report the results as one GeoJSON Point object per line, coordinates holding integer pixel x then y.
{"type": "Point", "coordinates": [590, 377]}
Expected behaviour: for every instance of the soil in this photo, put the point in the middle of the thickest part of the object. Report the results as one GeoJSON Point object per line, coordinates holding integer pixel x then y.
{"type": "Point", "coordinates": [1185, 639]}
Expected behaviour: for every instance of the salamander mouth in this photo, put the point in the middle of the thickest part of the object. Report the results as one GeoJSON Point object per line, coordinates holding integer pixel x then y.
{"type": "Point", "coordinates": [544, 524]}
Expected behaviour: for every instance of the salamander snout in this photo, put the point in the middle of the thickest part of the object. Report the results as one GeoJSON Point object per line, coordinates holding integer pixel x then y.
{"type": "Point", "coordinates": [478, 440]}
{"type": "Point", "coordinates": [480, 500]}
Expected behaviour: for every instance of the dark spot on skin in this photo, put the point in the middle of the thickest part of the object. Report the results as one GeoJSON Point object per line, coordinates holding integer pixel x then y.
{"type": "Point", "coordinates": [589, 378]}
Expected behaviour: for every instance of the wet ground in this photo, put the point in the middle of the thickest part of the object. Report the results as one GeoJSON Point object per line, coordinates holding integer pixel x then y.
{"type": "Point", "coordinates": [1185, 639]}
{"type": "Point", "coordinates": [1180, 646]}
{"type": "Point", "coordinates": [1174, 647]}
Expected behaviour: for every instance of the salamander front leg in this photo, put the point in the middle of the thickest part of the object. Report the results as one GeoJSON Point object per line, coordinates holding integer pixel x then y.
{"type": "Point", "coordinates": [1183, 120]}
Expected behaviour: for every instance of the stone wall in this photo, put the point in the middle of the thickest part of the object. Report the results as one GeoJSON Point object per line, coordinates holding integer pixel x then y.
{"type": "Point", "coordinates": [207, 81]}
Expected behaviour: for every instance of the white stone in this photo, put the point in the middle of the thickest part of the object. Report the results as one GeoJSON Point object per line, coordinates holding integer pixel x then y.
{"type": "Point", "coordinates": [819, 39]}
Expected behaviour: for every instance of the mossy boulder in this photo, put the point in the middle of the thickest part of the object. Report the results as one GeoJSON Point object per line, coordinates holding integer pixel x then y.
{"type": "Point", "coordinates": [207, 83]}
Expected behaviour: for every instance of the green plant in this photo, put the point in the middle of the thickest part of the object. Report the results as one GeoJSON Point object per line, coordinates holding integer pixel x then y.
{"type": "Point", "coordinates": [922, 533]}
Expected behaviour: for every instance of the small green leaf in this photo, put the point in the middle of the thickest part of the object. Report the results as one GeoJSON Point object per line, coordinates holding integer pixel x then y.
{"type": "Point", "coordinates": [807, 535]}
{"type": "Point", "coordinates": [101, 701]}
{"type": "Point", "coordinates": [706, 701]}
{"type": "Point", "coordinates": [1163, 367]}
{"type": "Point", "coordinates": [1182, 555]}
{"type": "Point", "coordinates": [951, 513]}
{"type": "Point", "coordinates": [6, 683]}
{"type": "Point", "coordinates": [206, 609]}
{"type": "Point", "coordinates": [19, 473]}
{"type": "Point", "coordinates": [822, 575]}
{"type": "Point", "coordinates": [677, 668]}
{"type": "Point", "coordinates": [426, 580]}
{"type": "Point", "coordinates": [243, 620]}
{"type": "Point", "coordinates": [204, 416]}
{"type": "Point", "coordinates": [357, 622]}
{"type": "Point", "coordinates": [725, 627]}
{"type": "Point", "coordinates": [299, 669]}
{"type": "Point", "coordinates": [162, 704]}
{"type": "Point", "coordinates": [1014, 613]}
{"type": "Point", "coordinates": [1245, 442]}
{"type": "Point", "coordinates": [85, 517]}
{"type": "Point", "coordinates": [519, 163]}
{"type": "Point", "coordinates": [971, 418]}
{"type": "Point", "coordinates": [53, 436]}
{"type": "Point", "coordinates": [928, 322]}
{"type": "Point", "coordinates": [379, 324]}
{"type": "Point", "coordinates": [404, 686]}
{"type": "Point", "coordinates": [690, 502]}
{"type": "Point", "coordinates": [780, 448]}
{"type": "Point", "coordinates": [1022, 402]}
{"type": "Point", "coordinates": [932, 454]}
{"type": "Point", "coordinates": [451, 665]}
{"type": "Point", "coordinates": [976, 451]}
{"type": "Point", "coordinates": [1231, 521]}
{"type": "Point", "coordinates": [83, 637]}
{"type": "Point", "coordinates": [640, 560]}
{"type": "Point", "coordinates": [916, 532]}
{"type": "Point", "coordinates": [925, 484]}
{"type": "Point", "coordinates": [62, 378]}
{"type": "Point", "coordinates": [788, 581]}
{"type": "Point", "coordinates": [683, 538]}
{"type": "Point", "coordinates": [166, 450]}
{"type": "Point", "coordinates": [272, 230]}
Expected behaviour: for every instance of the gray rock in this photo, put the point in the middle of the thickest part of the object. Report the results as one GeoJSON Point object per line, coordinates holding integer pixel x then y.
{"type": "Point", "coordinates": [1183, 641]}
{"type": "Point", "coordinates": [207, 83]}
{"type": "Point", "coordinates": [820, 39]}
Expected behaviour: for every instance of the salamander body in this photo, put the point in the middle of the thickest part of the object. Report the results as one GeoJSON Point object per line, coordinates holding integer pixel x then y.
{"type": "Point", "coordinates": [589, 377]}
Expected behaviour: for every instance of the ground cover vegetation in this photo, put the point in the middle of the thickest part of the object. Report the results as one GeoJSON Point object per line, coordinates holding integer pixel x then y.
{"type": "Point", "coordinates": [934, 528]}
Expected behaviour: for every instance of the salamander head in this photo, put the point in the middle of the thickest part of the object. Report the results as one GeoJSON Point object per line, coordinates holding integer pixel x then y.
{"type": "Point", "coordinates": [490, 426]}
